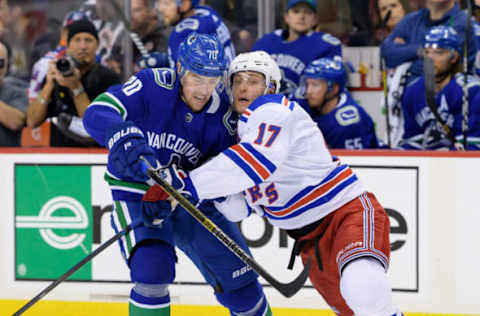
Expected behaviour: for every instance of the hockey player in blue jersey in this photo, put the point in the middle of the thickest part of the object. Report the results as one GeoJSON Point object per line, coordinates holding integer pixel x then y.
{"type": "Point", "coordinates": [422, 129]}
{"type": "Point", "coordinates": [171, 117]}
{"type": "Point", "coordinates": [344, 123]}
{"type": "Point", "coordinates": [405, 43]}
{"type": "Point", "coordinates": [188, 16]}
{"type": "Point", "coordinates": [296, 46]}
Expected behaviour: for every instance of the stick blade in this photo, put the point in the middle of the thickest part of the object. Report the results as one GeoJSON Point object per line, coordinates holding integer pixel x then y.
{"type": "Point", "coordinates": [290, 289]}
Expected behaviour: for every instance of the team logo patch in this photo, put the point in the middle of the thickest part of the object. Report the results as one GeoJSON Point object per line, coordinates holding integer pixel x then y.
{"type": "Point", "coordinates": [347, 115]}
{"type": "Point", "coordinates": [188, 117]}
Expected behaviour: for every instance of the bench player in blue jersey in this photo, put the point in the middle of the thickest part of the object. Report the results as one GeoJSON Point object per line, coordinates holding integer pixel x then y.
{"type": "Point", "coordinates": [323, 94]}
{"type": "Point", "coordinates": [296, 46]}
{"type": "Point", "coordinates": [188, 16]}
{"type": "Point", "coordinates": [422, 129]}
{"type": "Point", "coordinates": [170, 117]}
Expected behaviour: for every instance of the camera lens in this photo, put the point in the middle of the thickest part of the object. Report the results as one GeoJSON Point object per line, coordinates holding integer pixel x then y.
{"type": "Point", "coordinates": [64, 65]}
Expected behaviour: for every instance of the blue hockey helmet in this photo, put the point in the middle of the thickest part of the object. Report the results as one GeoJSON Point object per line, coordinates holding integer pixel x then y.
{"type": "Point", "coordinates": [202, 54]}
{"type": "Point", "coordinates": [442, 37]}
{"type": "Point", "coordinates": [330, 70]}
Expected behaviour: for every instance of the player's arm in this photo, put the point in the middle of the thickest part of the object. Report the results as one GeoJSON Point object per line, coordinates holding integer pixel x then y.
{"type": "Point", "coordinates": [396, 49]}
{"type": "Point", "coordinates": [252, 161]}
{"type": "Point", "coordinates": [115, 106]}
{"type": "Point", "coordinates": [412, 135]}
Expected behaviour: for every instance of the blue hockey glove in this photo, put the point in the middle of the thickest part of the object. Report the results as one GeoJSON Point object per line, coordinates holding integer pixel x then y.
{"type": "Point", "coordinates": [126, 144]}
{"type": "Point", "coordinates": [180, 181]}
{"type": "Point", "coordinates": [155, 206]}
{"type": "Point", "coordinates": [154, 60]}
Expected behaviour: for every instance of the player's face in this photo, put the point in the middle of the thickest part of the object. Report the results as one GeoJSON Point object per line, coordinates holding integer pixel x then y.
{"type": "Point", "coordinates": [316, 92]}
{"type": "Point", "coordinates": [442, 59]}
{"type": "Point", "coordinates": [395, 7]}
{"type": "Point", "coordinates": [197, 90]}
{"type": "Point", "coordinates": [169, 10]}
{"type": "Point", "coordinates": [300, 18]}
{"type": "Point", "coordinates": [246, 87]}
{"type": "Point", "coordinates": [82, 46]}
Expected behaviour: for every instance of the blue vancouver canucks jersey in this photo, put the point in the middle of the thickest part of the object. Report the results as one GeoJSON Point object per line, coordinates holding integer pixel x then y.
{"type": "Point", "coordinates": [151, 99]}
{"type": "Point", "coordinates": [206, 21]}
{"type": "Point", "coordinates": [348, 126]}
{"type": "Point", "coordinates": [422, 130]}
{"type": "Point", "coordinates": [293, 57]}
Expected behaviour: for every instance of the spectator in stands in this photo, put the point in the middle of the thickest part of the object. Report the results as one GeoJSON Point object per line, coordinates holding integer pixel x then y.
{"type": "Point", "coordinates": [397, 8]}
{"type": "Point", "coordinates": [40, 68]}
{"type": "Point", "coordinates": [71, 84]}
{"type": "Point", "coordinates": [297, 45]}
{"type": "Point", "coordinates": [323, 94]}
{"type": "Point", "coordinates": [153, 35]}
{"type": "Point", "coordinates": [109, 26]}
{"type": "Point", "coordinates": [424, 129]}
{"type": "Point", "coordinates": [13, 104]}
{"type": "Point", "coordinates": [404, 44]}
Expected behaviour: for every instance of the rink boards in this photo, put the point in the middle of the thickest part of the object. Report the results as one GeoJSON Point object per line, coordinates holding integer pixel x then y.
{"type": "Point", "coordinates": [56, 210]}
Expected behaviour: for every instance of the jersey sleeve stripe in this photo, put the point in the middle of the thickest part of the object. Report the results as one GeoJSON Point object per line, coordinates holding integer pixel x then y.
{"type": "Point", "coordinates": [251, 160]}
{"type": "Point", "coordinates": [107, 99]}
{"type": "Point", "coordinates": [319, 193]}
{"type": "Point", "coordinates": [260, 157]}
{"type": "Point", "coordinates": [243, 165]}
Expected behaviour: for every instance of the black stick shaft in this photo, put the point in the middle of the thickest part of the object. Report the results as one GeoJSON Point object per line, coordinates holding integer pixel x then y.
{"type": "Point", "coordinates": [85, 260]}
{"type": "Point", "coordinates": [287, 290]}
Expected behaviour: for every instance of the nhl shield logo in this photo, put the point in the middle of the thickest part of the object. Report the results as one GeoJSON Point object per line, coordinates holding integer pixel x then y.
{"type": "Point", "coordinates": [188, 117]}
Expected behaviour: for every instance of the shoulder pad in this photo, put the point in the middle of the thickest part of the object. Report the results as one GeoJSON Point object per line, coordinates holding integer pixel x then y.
{"type": "Point", "coordinates": [347, 115]}
{"type": "Point", "coordinates": [330, 39]}
{"type": "Point", "coordinates": [187, 24]}
{"type": "Point", "coordinates": [164, 77]}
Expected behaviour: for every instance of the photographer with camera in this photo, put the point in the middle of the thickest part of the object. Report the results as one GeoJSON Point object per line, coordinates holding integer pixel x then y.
{"type": "Point", "coordinates": [72, 82]}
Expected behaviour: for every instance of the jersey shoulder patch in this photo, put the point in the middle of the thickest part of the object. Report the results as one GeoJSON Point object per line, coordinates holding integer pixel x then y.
{"type": "Point", "coordinates": [164, 77]}
{"type": "Point", "coordinates": [187, 24]}
{"type": "Point", "coordinates": [347, 115]}
{"type": "Point", "coordinates": [330, 39]}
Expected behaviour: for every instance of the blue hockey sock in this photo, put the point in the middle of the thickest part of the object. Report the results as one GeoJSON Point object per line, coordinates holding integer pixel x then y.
{"type": "Point", "coordinates": [141, 305]}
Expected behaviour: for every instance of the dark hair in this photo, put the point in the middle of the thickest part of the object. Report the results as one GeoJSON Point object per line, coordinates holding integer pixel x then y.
{"type": "Point", "coordinates": [377, 16]}
{"type": "Point", "coordinates": [9, 53]}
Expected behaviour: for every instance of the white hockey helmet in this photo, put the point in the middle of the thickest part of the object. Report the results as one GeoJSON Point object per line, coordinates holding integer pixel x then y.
{"type": "Point", "coordinates": [258, 61]}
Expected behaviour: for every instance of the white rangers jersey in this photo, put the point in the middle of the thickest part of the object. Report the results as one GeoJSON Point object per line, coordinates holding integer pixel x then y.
{"type": "Point", "coordinates": [281, 165]}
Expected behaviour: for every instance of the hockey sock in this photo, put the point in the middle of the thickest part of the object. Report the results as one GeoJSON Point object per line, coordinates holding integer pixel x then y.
{"type": "Point", "coordinates": [365, 287]}
{"type": "Point", "coordinates": [141, 305]}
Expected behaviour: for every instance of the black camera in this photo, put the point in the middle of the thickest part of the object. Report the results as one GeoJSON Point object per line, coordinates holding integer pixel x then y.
{"type": "Point", "coordinates": [66, 65]}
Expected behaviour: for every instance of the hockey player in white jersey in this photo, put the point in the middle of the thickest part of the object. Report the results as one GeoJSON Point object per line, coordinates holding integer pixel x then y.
{"type": "Point", "coordinates": [282, 169]}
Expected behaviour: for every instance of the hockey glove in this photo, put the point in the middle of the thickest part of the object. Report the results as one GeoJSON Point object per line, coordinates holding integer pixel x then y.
{"type": "Point", "coordinates": [154, 60]}
{"type": "Point", "coordinates": [180, 181]}
{"type": "Point", "coordinates": [156, 206]}
{"type": "Point", "coordinates": [126, 144]}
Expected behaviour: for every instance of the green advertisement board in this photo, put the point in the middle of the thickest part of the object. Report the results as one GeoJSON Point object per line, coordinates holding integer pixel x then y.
{"type": "Point", "coordinates": [53, 216]}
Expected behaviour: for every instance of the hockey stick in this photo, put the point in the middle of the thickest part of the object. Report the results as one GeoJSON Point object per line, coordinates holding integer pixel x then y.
{"type": "Point", "coordinates": [429, 80]}
{"type": "Point", "coordinates": [72, 270]}
{"type": "Point", "coordinates": [383, 67]}
{"type": "Point", "coordinates": [465, 75]}
{"type": "Point", "coordinates": [288, 289]}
